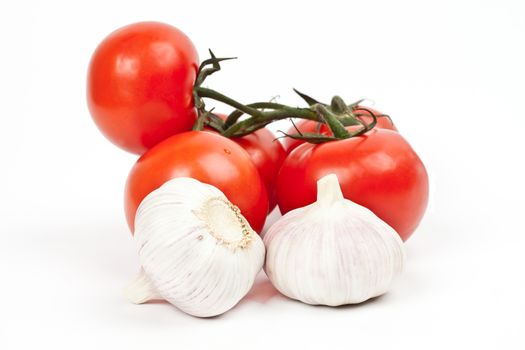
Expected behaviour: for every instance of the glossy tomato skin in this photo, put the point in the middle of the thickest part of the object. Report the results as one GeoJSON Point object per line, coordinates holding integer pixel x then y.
{"type": "Point", "coordinates": [268, 155]}
{"type": "Point", "coordinates": [207, 157]}
{"type": "Point", "coordinates": [378, 170]}
{"type": "Point", "coordinates": [139, 87]}
{"type": "Point", "coordinates": [310, 126]}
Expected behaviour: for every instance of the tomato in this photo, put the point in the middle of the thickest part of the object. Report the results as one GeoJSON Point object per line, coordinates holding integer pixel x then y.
{"type": "Point", "coordinates": [311, 127]}
{"type": "Point", "coordinates": [267, 154]}
{"type": "Point", "coordinates": [139, 86]}
{"type": "Point", "coordinates": [378, 170]}
{"type": "Point", "coordinates": [207, 157]}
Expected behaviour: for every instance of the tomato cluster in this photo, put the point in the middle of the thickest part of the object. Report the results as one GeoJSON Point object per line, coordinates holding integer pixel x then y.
{"type": "Point", "coordinates": [142, 92]}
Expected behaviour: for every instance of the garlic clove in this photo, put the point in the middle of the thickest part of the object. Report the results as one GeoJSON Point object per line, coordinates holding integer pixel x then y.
{"type": "Point", "coordinates": [196, 249]}
{"type": "Point", "coordinates": [332, 252]}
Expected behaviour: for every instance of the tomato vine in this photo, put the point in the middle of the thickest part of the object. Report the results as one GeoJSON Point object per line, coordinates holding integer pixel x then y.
{"type": "Point", "coordinates": [336, 115]}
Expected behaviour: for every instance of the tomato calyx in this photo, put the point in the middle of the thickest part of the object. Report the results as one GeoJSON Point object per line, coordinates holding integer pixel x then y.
{"type": "Point", "coordinates": [336, 122]}
{"type": "Point", "coordinates": [337, 115]}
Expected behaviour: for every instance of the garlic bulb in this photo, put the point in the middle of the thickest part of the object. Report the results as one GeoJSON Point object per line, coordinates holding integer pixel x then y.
{"type": "Point", "coordinates": [196, 249]}
{"type": "Point", "coordinates": [332, 252]}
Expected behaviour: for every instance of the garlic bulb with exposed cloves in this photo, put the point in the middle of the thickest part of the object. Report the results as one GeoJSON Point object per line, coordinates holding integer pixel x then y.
{"type": "Point", "coordinates": [332, 252]}
{"type": "Point", "coordinates": [196, 249]}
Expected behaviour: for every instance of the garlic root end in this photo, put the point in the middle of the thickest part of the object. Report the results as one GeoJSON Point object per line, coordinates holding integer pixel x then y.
{"type": "Point", "coordinates": [141, 290]}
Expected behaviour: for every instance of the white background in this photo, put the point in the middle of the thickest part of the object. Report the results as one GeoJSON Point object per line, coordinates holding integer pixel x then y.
{"type": "Point", "coordinates": [450, 73]}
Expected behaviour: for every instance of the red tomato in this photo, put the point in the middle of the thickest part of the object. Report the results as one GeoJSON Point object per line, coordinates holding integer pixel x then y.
{"type": "Point", "coordinates": [207, 157]}
{"type": "Point", "coordinates": [378, 170]}
{"type": "Point", "coordinates": [311, 126]}
{"type": "Point", "coordinates": [139, 86]}
{"type": "Point", "coordinates": [268, 155]}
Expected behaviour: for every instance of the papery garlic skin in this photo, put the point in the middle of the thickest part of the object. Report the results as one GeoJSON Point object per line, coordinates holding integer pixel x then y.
{"type": "Point", "coordinates": [196, 249]}
{"type": "Point", "coordinates": [332, 252]}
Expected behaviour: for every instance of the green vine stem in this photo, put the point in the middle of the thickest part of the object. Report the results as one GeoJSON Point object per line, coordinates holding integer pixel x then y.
{"type": "Point", "coordinates": [217, 96]}
{"type": "Point", "coordinates": [337, 115]}
{"type": "Point", "coordinates": [259, 119]}
{"type": "Point", "coordinates": [236, 114]}
{"type": "Point", "coordinates": [337, 128]}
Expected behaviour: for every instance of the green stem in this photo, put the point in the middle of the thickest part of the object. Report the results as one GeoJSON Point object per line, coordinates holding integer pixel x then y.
{"type": "Point", "coordinates": [349, 121]}
{"type": "Point", "coordinates": [199, 123]}
{"type": "Point", "coordinates": [236, 114]}
{"type": "Point", "coordinates": [258, 119]}
{"type": "Point", "coordinates": [257, 122]}
{"type": "Point", "coordinates": [334, 124]}
{"type": "Point", "coordinates": [337, 115]}
{"type": "Point", "coordinates": [209, 93]}
{"type": "Point", "coordinates": [338, 105]}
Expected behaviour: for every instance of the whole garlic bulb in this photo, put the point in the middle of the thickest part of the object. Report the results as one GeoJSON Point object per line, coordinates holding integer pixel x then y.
{"type": "Point", "coordinates": [196, 249]}
{"type": "Point", "coordinates": [332, 252]}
